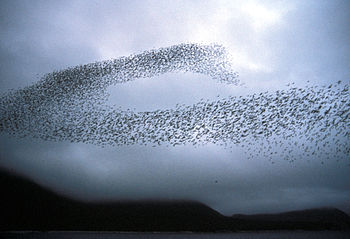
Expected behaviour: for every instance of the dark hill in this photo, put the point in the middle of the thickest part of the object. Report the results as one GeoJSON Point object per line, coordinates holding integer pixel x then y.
{"type": "Point", "coordinates": [25, 205]}
{"type": "Point", "coordinates": [311, 219]}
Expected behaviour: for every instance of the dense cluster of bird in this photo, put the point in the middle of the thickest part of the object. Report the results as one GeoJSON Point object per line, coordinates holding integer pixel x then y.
{"type": "Point", "coordinates": [70, 105]}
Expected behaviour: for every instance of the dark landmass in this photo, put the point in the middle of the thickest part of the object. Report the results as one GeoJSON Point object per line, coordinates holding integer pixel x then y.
{"type": "Point", "coordinates": [310, 219]}
{"type": "Point", "coordinates": [25, 205]}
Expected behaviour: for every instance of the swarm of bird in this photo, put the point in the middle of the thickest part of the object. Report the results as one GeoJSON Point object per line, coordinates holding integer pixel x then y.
{"type": "Point", "coordinates": [70, 105]}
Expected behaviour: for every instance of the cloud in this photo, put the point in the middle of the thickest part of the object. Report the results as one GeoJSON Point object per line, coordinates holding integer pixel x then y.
{"type": "Point", "coordinates": [261, 17]}
{"type": "Point", "coordinates": [306, 41]}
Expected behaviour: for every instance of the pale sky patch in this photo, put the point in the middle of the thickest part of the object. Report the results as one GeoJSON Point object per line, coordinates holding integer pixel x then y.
{"type": "Point", "coordinates": [260, 16]}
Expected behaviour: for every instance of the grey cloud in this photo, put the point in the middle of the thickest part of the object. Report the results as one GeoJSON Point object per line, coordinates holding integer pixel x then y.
{"type": "Point", "coordinates": [41, 36]}
{"type": "Point", "coordinates": [228, 184]}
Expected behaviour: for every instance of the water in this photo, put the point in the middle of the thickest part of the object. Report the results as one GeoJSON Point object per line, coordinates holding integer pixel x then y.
{"type": "Point", "coordinates": [238, 235]}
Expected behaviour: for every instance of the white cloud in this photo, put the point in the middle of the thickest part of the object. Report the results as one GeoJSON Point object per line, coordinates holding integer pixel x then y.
{"type": "Point", "coordinates": [241, 60]}
{"type": "Point", "coordinates": [260, 16]}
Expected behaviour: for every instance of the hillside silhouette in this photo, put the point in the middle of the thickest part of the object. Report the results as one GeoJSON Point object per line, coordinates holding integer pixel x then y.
{"type": "Point", "coordinates": [25, 205]}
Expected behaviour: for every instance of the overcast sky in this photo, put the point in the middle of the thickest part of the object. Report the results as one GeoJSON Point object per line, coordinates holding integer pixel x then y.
{"type": "Point", "coordinates": [272, 43]}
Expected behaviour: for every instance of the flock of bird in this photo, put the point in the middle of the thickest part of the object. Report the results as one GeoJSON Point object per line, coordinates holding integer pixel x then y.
{"type": "Point", "coordinates": [70, 105]}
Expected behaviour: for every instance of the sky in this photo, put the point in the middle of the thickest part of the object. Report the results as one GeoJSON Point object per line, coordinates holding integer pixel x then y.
{"type": "Point", "coordinates": [271, 44]}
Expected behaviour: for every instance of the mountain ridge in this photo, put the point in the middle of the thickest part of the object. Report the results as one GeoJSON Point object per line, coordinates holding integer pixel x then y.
{"type": "Point", "coordinates": [26, 205]}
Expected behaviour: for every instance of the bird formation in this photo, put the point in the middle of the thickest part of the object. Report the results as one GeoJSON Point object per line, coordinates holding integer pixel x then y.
{"type": "Point", "coordinates": [70, 105]}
